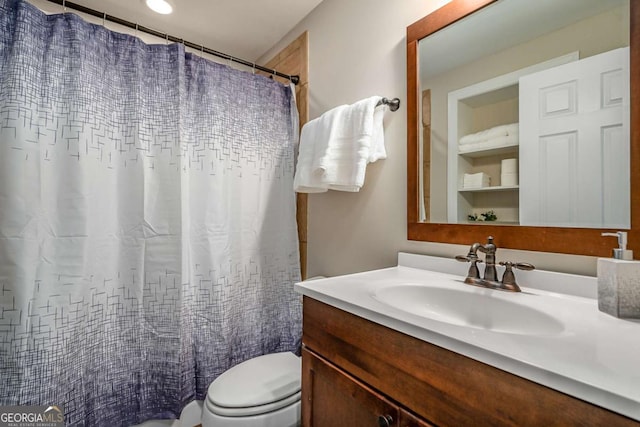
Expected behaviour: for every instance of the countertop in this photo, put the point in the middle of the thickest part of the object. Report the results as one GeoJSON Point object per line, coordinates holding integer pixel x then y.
{"type": "Point", "coordinates": [596, 357]}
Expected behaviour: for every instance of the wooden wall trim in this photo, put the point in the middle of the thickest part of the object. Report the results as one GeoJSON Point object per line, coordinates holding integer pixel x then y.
{"type": "Point", "coordinates": [294, 60]}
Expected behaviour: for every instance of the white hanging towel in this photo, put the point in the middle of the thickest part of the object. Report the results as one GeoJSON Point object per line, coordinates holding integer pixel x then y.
{"type": "Point", "coordinates": [336, 147]}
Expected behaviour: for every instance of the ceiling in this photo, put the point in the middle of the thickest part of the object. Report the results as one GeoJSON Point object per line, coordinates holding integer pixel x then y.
{"type": "Point", "coordinates": [242, 28]}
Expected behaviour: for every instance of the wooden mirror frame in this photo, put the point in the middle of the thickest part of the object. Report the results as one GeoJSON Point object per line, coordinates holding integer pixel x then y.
{"type": "Point", "coordinates": [567, 240]}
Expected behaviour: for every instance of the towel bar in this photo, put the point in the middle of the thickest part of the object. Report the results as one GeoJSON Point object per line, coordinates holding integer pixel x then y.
{"type": "Point", "coordinates": [393, 104]}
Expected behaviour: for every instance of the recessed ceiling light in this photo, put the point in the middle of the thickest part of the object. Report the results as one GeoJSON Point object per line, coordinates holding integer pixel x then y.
{"type": "Point", "coordinates": [160, 6]}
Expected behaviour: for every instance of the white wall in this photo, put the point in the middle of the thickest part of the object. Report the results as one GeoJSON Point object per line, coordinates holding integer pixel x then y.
{"type": "Point", "coordinates": [358, 49]}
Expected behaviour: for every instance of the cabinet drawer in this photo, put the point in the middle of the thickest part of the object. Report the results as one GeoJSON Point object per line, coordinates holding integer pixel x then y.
{"type": "Point", "coordinates": [444, 387]}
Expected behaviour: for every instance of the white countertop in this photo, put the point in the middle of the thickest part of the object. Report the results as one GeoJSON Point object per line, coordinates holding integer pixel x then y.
{"type": "Point", "coordinates": [596, 357]}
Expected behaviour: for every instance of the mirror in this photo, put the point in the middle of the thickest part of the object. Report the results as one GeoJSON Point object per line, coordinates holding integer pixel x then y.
{"type": "Point", "coordinates": [462, 84]}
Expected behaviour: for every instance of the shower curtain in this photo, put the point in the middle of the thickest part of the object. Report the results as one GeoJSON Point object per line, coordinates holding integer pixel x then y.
{"type": "Point", "coordinates": [148, 238]}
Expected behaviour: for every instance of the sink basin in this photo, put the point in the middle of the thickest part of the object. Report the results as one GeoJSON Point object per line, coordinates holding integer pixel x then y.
{"type": "Point", "coordinates": [479, 308]}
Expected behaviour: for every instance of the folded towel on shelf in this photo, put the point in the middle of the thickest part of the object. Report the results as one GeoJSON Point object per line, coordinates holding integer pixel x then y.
{"type": "Point", "coordinates": [488, 134]}
{"type": "Point", "coordinates": [336, 147]}
{"type": "Point", "coordinates": [496, 142]}
{"type": "Point", "coordinates": [476, 180]}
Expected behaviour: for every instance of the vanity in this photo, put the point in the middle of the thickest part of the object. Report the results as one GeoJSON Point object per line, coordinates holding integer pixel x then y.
{"type": "Point", "coordinates": [413, 345]}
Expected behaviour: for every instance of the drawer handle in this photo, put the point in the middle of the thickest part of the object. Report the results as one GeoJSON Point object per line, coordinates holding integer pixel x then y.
{"type": "Point", "coordinates": [385, 420]}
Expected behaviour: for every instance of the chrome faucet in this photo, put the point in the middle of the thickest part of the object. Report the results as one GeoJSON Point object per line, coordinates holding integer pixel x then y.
{"type": "Point", "coordinates": [490, 279]}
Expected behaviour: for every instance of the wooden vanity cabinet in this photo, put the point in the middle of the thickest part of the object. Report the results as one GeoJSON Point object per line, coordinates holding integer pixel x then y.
{"type": "Point", "coordinates": [359, 373]}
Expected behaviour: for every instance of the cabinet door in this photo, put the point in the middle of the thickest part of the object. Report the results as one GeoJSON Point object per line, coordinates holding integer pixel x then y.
{"type": "Point", "coordinates": [332, 398]}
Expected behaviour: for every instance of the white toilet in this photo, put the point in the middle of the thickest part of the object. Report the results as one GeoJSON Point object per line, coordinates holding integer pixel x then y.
{"type": "Point", "coordinates": [260, 392]}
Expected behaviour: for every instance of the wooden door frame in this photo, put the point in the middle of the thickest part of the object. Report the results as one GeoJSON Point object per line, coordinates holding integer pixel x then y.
{"type": "Point", "coordinates": [294, 60]}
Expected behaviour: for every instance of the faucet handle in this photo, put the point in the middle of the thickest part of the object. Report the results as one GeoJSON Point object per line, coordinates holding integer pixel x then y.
{"type": "Point", "coordinates": [468, 258]}
{"type": "Point", "coordinates": [523, 266]}
{"type": "Point", "coordinates": [518, 265]}
{"type": "Point", "coordinates": [508, 278]}
{"type": "Point", "coordinates": [473, 269]}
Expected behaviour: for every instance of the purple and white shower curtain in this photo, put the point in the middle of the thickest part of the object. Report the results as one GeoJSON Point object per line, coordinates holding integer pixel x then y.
{"type": "Point", "coordinates": [148, 238]}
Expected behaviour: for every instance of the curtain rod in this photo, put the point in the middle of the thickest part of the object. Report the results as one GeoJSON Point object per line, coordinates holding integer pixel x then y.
{"type": "Point", "coordinates": [106, 17]}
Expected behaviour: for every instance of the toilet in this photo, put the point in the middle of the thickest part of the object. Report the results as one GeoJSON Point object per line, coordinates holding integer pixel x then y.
{"type": "Point", "coordinates": [260, 392]}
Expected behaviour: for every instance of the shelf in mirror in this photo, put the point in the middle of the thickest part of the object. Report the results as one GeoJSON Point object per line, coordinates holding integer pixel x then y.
{"type": "Point", "coordinates": [493, 222]}
{"type": "Point", "coordinates": [486, 152]}
{"type": "Point", "coordinates": [490, 189]}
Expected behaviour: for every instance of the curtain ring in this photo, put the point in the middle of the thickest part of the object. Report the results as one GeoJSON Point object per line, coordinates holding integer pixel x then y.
{"type": "Point", "coordinates": [167, 37]}
{"type": "Point", "coordinates": [104, 19]}
{"type": "Point", "coordinates": [136, 33]}
{"type": "Point", "coordinates": [253, 68]}
{"type": "Point", "coordinates": [64, 6]}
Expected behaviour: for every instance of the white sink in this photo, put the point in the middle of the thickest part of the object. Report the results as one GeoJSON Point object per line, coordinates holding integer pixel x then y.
{"type": "Point", "coordinates": [473, 307]}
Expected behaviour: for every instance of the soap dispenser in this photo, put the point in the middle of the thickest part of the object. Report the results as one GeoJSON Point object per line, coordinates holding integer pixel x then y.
{"type": "Point", "coordinates": [621, 252]}
{"type": "Point", "coordinates": [619, 281]}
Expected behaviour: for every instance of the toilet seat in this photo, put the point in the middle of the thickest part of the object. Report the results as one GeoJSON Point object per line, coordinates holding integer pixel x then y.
{"type": "Point", "coordinates": [253, 410]}
{"type": "Point", "coordinates": [257, 386]}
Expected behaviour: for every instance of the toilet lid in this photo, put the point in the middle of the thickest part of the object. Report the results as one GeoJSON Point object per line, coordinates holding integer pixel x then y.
{"type": "Point", "coordinates": [258, 381]}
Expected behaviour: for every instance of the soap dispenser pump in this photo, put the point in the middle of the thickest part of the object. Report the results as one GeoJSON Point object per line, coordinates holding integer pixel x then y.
{"type": "Point", "coordinates": [621, 252]}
